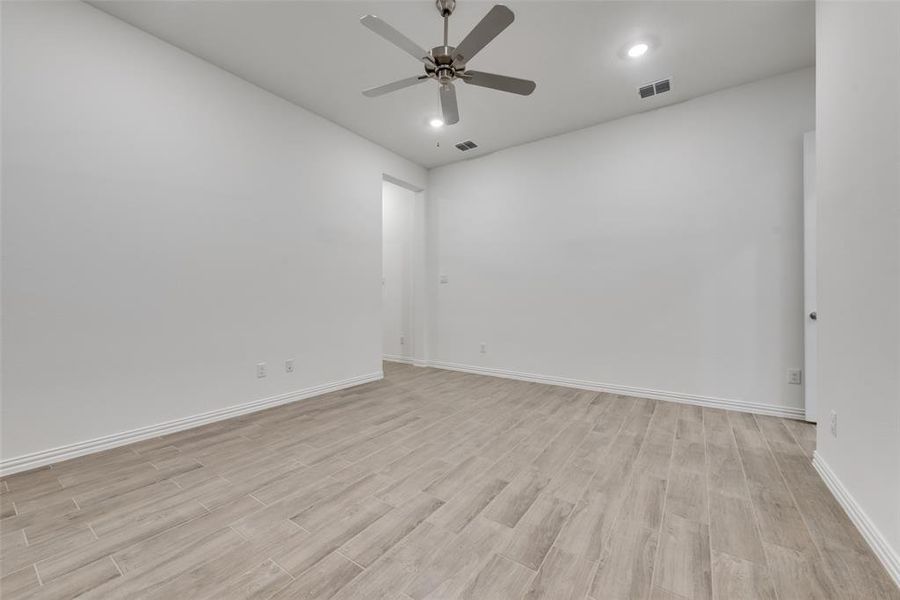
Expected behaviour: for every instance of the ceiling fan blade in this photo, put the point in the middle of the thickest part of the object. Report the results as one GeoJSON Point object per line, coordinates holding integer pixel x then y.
{"type": "Point", "coordinates": [448, 104]}
{"type": "Point", "coordinates": [497, 19]}
{"type": "Point", "coordinates": [499, 82]}
{"type": "Point", "coordinates": [392, 87]}
{"type": "Point", "coordinates": [395, 37]}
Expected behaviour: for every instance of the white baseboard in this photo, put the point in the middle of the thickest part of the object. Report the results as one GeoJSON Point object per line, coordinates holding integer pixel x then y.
{"type": "Point", "coordinates": [710, 401]}
{"type": "Point", "coordinates": [888, 556]}
{"type": "Point", "coordinates": [407, 360]}
{"type": "Point", "coordinates": [55, 455]}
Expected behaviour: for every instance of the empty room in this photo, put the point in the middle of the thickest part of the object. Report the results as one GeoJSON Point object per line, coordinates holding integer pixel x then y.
{"type": "Point", "coordinates": [453, 299]}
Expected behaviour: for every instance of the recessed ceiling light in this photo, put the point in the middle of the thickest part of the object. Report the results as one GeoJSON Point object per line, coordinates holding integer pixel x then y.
{"type": "Point", "coordinates": [436, 123]}
{"type": "Point", "coordinates": [638, 49]}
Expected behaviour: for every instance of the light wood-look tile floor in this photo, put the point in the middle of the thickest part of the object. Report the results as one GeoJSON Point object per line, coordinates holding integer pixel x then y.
{"type": "Point", "coordinates": [436, 485]}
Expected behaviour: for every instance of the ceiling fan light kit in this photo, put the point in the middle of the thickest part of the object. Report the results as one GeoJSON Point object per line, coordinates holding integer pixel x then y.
{"type": "Point", "coordinates": [446, 64]}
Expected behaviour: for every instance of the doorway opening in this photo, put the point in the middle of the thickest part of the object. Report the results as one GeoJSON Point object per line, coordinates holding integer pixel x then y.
{"type": "Point", "coordinates": [397, 291]}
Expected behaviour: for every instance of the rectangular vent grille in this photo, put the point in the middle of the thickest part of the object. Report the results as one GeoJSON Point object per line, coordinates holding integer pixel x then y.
{"type": "Point", "coordinates": [467, 145]}
{"type": "Point", "coordinates": [657, 87]}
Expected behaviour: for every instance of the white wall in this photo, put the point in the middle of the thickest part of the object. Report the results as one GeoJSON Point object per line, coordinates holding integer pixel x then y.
{"type": "Point", "coordinates": [662, 251]}
{"type": "Point", "coordinates": [397, 265]}
{"type": "Point", "coordinates": [858, 190]}
{"type": "Point", "coordinates": [165, 227]}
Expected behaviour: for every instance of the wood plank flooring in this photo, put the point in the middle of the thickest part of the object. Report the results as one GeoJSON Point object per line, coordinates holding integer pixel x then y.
{"type": "Point", "coordinates": [437, 485]}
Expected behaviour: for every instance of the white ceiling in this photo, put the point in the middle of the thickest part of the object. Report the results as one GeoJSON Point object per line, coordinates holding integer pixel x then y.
{"type": "Point", "coordinates": [317, 55]}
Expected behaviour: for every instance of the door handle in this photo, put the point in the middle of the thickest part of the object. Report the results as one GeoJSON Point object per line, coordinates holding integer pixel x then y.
{"type": "Point", "coordinates": [813, 315]}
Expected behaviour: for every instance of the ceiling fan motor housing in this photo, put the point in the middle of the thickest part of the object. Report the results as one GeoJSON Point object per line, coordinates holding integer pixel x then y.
{"type": "Point", "coordinates": [443, 69]}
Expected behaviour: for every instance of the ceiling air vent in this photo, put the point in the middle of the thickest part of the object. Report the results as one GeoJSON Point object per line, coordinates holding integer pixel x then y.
{"type": "Point", "coordinates": [652, 89]}
{"type": "Point", "coordinates": [467, 145]}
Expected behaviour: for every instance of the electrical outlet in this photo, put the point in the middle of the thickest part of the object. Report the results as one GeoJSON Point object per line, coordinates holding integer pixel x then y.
{"type": "Point", "coordinates": [289, 365]}
{"type": "Point", "coordinates": [484, 347]}
{"type": "Point", "coordinates": [794, 376]}
{"type": "Point", "coordinates": [402, 340]}
{"type": "Point", "coordinates": [833, 424]}
{"type": "Point", "coordinates": [444, 279]}
{"type": "Point", "coordinates": [260, 370]}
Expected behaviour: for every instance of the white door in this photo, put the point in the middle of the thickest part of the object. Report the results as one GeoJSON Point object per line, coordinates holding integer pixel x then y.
{"type": "Point", "coordinates": [809, 276]}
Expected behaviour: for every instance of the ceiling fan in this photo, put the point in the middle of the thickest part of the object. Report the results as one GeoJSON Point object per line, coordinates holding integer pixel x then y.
{"type": "Point", "coordinates": [446, 64]}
